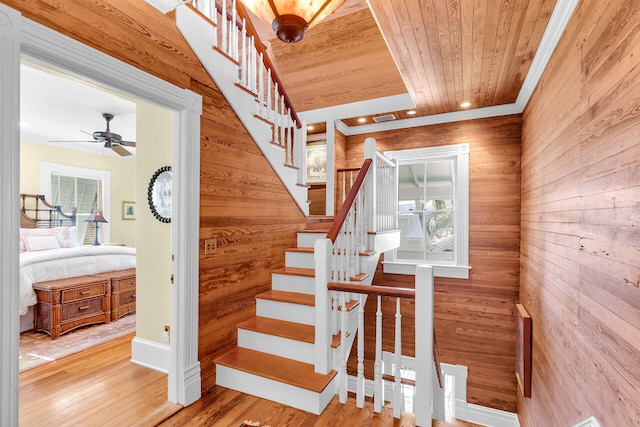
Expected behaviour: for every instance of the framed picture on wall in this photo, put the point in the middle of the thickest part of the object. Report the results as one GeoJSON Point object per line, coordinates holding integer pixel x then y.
{"type": "Point", "coordinates": [128, 210]}
{"type": "Point", "coordinates": [317, 162]}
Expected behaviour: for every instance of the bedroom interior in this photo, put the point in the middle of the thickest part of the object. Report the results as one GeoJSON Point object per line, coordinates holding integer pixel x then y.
{"type": "Point", "coordinates": [553, 196]}
{"type": "Point", "coordinates": [56, 113]}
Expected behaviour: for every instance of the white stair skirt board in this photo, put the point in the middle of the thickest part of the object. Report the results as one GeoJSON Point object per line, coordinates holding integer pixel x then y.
{"type": "Point", "coordinates": [306, 239]}
{"type": "Point", "coordinates": [299, 259]}
{"type": "Point", "coordinates": [265, 388]}
{"type": "Point", "coordinates": [297, 313]}
{"type": "Point", "coordinates": [278, 346]}
{"type": "Point", "coordinates": [151, 354]}
{"type": "Point", "coordinates": [200, 35]}
{"type": "Point", "coordinates": [292, 283]}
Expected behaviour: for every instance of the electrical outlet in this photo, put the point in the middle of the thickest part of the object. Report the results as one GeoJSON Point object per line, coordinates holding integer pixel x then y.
{"type": "Point", "coordinates": [165, 334]}
{"type": "Point", "coordinates": [209, 246]}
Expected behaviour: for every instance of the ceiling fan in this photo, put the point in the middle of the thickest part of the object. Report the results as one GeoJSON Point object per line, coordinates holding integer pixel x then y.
{"type": "Point", "coordinates": [110, 139]}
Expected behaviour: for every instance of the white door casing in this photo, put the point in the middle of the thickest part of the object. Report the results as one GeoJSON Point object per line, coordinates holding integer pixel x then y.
{"type": "Point", "coordinates": [21, 37]}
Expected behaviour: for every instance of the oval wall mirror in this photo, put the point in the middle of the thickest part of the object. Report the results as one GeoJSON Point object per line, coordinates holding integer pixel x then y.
{"type": "Point", "coordinates": [159, 194]}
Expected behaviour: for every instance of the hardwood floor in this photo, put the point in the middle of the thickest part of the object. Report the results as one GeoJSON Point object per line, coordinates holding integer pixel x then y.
{"type": "Point", "coordinates": [97, 387]}
{"type": "Point", "coordinates": [101, 387]}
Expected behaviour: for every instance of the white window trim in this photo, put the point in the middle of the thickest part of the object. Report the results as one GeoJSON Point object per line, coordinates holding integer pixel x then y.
{"type": "Point", "coordinates": [47, 168]}
{"type": "Point", "coordinates": [459, 267]}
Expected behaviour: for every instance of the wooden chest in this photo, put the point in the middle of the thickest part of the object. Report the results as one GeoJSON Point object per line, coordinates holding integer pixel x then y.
{"type": "Point", "coordinates": [67, 304]}
{"type": "Point", "coordinates": [123, 292]}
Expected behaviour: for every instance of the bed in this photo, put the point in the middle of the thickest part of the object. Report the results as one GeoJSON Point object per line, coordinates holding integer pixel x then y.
{"type": "Point", "coordinates": [53, 261]}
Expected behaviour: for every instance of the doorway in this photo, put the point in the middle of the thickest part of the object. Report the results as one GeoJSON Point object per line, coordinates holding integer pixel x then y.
{"type": "Point", "coordinates": [22, 38]}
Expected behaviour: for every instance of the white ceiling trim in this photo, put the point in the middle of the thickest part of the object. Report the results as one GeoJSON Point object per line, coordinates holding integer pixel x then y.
{"type": "Point", "coordinates": [360, 108]}
{"type": "Point", "coordinates": [560, 17]}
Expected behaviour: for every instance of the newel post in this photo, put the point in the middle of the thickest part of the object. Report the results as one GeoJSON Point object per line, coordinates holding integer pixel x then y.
{"type": "Point", "coordinates": [322, 348]}
{"type": "Point", "coordinates": [370, 186]}
{"type": "Point", "coordinates": [424, 345]}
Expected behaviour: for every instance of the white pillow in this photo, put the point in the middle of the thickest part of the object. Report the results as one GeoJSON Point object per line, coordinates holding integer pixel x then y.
{"type": "Point", "coordinates": [41, 243]}
{"type": "Point", "coordinates": [73, 237]}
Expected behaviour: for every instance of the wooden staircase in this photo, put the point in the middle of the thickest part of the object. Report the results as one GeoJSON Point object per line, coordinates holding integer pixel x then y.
{"type": "Point", "coordinates": [274, 358]}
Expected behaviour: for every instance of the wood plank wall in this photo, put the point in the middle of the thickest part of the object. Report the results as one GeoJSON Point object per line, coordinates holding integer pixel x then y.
{"type": "Point", "coordinates": [243, 203]}
{"type": "Point", "coordinates": [580, 263]}
{"type": "Point", "coordinates": [474, 318]}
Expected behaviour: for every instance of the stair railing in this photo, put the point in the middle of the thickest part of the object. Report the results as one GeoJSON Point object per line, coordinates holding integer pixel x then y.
{"type": "Point", "coordinates": [428, 397]}
{"type": "Point", "coordinates": [337, 258]}
{"type": "Point", "coordinates": [236, 38]}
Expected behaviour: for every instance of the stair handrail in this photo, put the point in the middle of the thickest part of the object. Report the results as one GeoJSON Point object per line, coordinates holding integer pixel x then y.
{"type": "Point", "coordinates": [204, 8]}
{"type": "Point", "coordinates": [429, 386]}
{"type": "Point", "coordinates": [339, 220]}
{"type": "Point", "coordinates": [236, 38]}
{"type": "Point", "coordinates": [251, 30]}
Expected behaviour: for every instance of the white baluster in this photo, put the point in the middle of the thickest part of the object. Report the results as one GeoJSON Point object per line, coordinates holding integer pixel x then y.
{"type": "Point", "coordinates": [234, 26]}
{"type": "Point", "coordinates": [243, 57]}
{"type": "Point", "coordinates": [283, 124]}
{"type": "Point", "coordinates": [334, 313]}
{"type": "Point", "coordinates": [224, 45]}
{"type": "Point", "coordinates": [268, 88]}
{"type": "Point", "coordinates": [213, 12]}
{"type": "Point", "coordinates": [397, 388]}
{"type": "Point", "coordinates": [276, 98]}
{"type": "Point", "coordinates": [343, 350]}
{"type": "Point", "coordinates": [360, 382]}
{"type": "Point", "coordinates": [378, 393]}
{"type": "Point", "coordinates": [253, 66]}
{"type": "Point", "coordinates": [260, 85]}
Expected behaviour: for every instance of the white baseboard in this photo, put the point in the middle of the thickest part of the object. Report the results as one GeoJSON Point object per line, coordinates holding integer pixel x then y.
{"type": "Point", "coordinates": [485, 416]}
{"type": "Point", "coordinates": [151, 354]}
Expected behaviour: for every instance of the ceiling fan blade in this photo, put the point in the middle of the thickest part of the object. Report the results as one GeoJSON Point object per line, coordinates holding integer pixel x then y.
{"type": "Point", "coordinates": [120, 150]}
{"type": "Point", "coordinates": [128, 143]}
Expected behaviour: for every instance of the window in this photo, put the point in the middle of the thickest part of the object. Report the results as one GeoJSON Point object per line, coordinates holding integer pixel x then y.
{"type": "Point", "coordinates": [433, 211]}
{"type": "Point", "coordinates": [82, 188]}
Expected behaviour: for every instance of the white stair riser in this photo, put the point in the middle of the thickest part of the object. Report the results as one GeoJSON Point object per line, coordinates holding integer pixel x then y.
{"type": "Point", "coordinates": [278, 392]}
{"type": "Point", "coordinates": [299, 259]}
{"type": "Point", "coordinates": [307, 239]}
{"type": "Point", "coordinates": [278, 346]}
{"type": "Point", "coordinates": [291, 283]}
{"type": "Point", "coordinates": [286, 311]}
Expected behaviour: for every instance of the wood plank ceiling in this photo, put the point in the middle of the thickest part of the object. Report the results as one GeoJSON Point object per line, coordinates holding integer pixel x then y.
{"type": "Point", "coordinates": [441, 52]}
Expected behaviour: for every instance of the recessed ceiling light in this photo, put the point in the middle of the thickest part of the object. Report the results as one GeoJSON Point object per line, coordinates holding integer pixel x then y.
{"type": "Point", "coordinates": [362, 120]}
{"type": "Point", "coordinates": [411, 112]}
{"type": "Point", "coordinates": [310, 127]}
{"type": "Point", "coordinates": [465, 104]}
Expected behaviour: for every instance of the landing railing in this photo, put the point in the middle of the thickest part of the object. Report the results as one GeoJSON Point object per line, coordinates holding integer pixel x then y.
{"type": "Point", "coordinates": [236, 38]}
{"type": "Point", "coordinates": [428, 391]}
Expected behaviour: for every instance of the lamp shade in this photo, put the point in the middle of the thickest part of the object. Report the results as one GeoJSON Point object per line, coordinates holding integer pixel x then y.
{"type": "Point", "coordinates": [96, 217]}
{"type": "Point", "coordinates": [290, 19]}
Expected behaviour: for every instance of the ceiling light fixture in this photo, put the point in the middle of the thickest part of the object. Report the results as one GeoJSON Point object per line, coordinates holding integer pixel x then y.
{"type": "Point", "coordinates": [465, 104]}
{"type": "Point", "coordinates": [411, 112]}
{"type": "Point", "coordinates": [291, 19]}
{"type": "Point", "coordinates": [362, 120]}
{"type": "Point", "coordinates": [310, 127]}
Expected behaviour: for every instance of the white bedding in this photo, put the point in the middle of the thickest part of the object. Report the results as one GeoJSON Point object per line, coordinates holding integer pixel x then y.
{"type": "Point", "coordinates": [69, 262]}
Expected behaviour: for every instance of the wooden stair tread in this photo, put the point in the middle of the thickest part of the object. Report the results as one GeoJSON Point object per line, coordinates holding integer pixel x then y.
{"type": "Point", "coordinates": [276, 368]}
{"type": "Point", "coordinates": [296, 271]}
{"type": "Point", "coordinates": [314, 230]}
{"type": "Point", "coordinates": [289, 297]}
{"type": "Point", "coordinates": [280, 328]}
{"type": "Point", "coordinates": [300, 249]}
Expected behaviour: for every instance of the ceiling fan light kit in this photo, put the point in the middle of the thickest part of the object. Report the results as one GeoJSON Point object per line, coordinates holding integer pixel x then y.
{"type": "Point", "coordinates": [291, 19]}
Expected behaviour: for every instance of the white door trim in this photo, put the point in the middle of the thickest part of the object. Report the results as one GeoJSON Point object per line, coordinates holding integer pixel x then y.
{"type": "Point", "coordinates": [20, 36]}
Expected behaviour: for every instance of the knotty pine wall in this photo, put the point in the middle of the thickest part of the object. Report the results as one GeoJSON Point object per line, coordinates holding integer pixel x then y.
{"type": "Point", "coordinates": [474, 318]}
{"type": "Point", "coordinates": [243, 203]}
{"type": "Point", "coordinates": [580, 261]}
